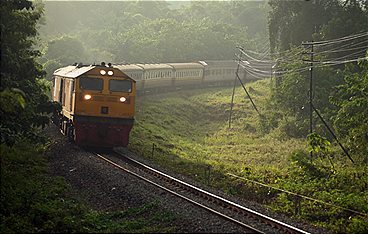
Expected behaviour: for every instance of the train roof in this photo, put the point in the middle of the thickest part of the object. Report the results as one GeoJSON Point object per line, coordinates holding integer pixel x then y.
{"type": "Point", "coordinates": [76, 71]}
{"type": "Point", "coordinates": [185, 65]}
{"type": "Point", "coordinates": [223, 63]}
{"type": "Point", "coordinates": [72, 71]}
{"type": "Point", "coordinates": [155, 66]}
{"type": "Point", "coordinates": [129, 67]}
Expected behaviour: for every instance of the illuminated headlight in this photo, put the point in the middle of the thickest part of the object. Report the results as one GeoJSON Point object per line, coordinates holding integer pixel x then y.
{"type": "Point", "coordinates": [102, 72]}
{"type": "Point", "coordinates": [87, 97]}
{"type": "Point", "coordinates": [122, 99]}
{"type": "Point", "coordinates": [110, 73]}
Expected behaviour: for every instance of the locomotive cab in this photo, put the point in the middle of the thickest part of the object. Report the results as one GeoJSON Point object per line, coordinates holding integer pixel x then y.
{"type": "Point", "coordinates": [98, 104]}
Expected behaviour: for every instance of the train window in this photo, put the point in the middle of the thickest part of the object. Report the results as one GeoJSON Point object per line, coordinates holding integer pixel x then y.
{"type": "Point", "coordinates": [120, 86]}
{"type": "Point", "coordinates": [91, 83]}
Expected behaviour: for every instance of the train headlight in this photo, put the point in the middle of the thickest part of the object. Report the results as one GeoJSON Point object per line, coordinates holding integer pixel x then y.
{"type": "Point", "coordinates": [122, 99]}
{"type": "Point", "coordinates": [87, 97]}
{"type": "Point", "coordinates": [102, 72]}
{"type": "Point", "coordinates": [110, 73]}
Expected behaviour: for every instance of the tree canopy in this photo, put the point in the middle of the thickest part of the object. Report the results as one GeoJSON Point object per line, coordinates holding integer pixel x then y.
{"type": "Point", "coordinates": [292, 22]}
{"type": "Point", "coordinates": [23, 99]}
{"type": "Point", "coordinates": [156, 31]}
{"type": "Point", "coordinates": [339, 83]}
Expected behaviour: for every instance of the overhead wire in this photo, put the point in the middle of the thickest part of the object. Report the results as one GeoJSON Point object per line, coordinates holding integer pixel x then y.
{"type": "Point", "coordinates": [355, 56]}
{"type": "Point", "coordinates": [338, 40]}
{"type": "Point", "coordinates": [341, 48]}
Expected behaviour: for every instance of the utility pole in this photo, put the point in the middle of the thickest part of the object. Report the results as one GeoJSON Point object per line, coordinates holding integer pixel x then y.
{"type": "Point", "coordinates": [232, 97]}
{"type": "Point", "coordinates": [311, 95]}
{"type": "Point", "coordinates": [311, 106]}
{"type": "Point", "coordinates": [310, 88]}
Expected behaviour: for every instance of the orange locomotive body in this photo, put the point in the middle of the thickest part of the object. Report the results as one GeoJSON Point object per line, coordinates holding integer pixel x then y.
{"type": "Point", "coordinates": [98, 104]}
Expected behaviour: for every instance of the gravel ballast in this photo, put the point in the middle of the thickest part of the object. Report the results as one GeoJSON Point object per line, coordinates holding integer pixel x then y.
{"type": "Point", "coordinates": [104, 188]}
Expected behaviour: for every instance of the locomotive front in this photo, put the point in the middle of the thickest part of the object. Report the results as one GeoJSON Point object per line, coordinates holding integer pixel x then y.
{"type": "Point", "coordinates": [98, 105]}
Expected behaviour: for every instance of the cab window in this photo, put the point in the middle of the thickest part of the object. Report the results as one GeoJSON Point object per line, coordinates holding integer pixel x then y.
{"type": "Point", "coordinates": [91, 83]}
{"type": "Point", "coordinates": [120, 86]}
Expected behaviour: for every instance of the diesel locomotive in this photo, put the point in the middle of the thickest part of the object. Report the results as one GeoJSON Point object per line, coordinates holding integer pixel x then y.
{"type": "Point", "coordinates": [98, 104]}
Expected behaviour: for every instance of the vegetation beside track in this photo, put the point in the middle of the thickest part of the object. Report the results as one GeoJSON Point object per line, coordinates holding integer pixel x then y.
{"type": "Point", "coordinates": [32, 201]}
{"type": "Point", "coordinates": [189, 133]}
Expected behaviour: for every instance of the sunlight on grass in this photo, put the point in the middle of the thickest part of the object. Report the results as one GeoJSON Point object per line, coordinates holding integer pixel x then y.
{"type": "Point", "coordinates": [191, 136]}
{"type": "Point", "coordinates": [193, 125]}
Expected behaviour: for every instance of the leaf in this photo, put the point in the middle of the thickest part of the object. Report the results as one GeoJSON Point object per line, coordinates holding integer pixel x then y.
{"type": "Point", "coordinates": [11, 101]}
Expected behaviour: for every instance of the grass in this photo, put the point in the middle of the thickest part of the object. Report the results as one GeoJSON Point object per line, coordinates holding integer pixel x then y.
{"type": "Point", "coordinates": [191, 134]}
{"type": "Point", "coordinates": [193, 127]}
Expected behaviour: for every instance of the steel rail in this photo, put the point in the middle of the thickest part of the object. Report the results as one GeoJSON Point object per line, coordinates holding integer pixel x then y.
{"type": "Point", "coordinates": [235, 207]}
{"type": "Point", "coordinates": [252, 229]}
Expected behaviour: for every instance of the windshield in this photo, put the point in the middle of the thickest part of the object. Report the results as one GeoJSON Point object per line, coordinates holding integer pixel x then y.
{"type": "Point", "coordinates": [91, 83]}
{"type": "Point", "coordinates": [120, 86]}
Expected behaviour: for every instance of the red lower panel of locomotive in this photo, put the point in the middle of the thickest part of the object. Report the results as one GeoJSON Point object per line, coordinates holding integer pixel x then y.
{"type": "Point", "coordinates": [101, 134]}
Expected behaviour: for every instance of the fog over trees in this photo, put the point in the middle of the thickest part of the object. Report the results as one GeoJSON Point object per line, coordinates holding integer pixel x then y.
{"type": "Point", "coordinates": [153, 31]}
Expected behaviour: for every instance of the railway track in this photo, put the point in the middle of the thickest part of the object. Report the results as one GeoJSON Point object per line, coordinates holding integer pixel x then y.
{"type": "Point", "coordinates": [250, 220]}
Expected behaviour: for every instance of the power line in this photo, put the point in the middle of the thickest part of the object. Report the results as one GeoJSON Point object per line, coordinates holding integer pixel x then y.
{"type": "Point", "coordinates": [344, 50]}
{"type": "Point", "coordinates": [338, 40]}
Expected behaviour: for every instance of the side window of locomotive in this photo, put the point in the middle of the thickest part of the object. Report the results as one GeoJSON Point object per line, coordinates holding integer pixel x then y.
{"type": "Point", "coordinates": [120, 86]}
{"type": "Point", "coordinates": [91, 83]}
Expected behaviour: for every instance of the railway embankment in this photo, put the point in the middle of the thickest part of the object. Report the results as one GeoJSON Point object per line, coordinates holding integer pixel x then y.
{"type": "Point", "coordinates": [188, 132]}
{"type": "Point", "coordinates": [124, 203]}
{"type": "Point", "coordinates": [119, 202]}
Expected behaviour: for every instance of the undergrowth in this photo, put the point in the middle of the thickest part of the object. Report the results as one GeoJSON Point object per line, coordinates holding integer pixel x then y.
{"type": "Point", "coordinates": [189, 133]}
{"type": "Point", "coordinates": [32, 201]}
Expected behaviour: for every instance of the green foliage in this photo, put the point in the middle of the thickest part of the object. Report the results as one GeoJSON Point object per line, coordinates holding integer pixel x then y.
{"type": "Point", "coordinates": [21, 75]}
{"type": "Point", "coordinates": [290, 95]}
{"type": "Point", "coordinates": [292, 22]}
{"type": "Point", "coordinates": [50, 66]}
{"type": "Point", "coordinates": [346, 19]}
{"type": "Point", "coordinates": [310, 167]}
{"type": "Point", "coordinates": [191, 134]}
{"type": "Point", "coordinates": [169, 40]}
{"type": "Point", "coordinates": [313, 179]}
{"type": "Point", "coordinates": [12, 101]}
{"type": "Point", "coordinates": [33, 202]}
{"type": "Point", "coordinates": [65, 50]}
{"type": "Point", "coordinates": [137, 32]}
{"type": "Point", "coordinates": [351, 118]}
{"type": "Point", "coordinates": [318, 144]}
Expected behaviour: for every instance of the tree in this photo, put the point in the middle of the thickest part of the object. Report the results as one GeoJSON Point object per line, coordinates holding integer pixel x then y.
{"type": "Point", "coordinates": [351, 119]}
{"type": "Point", "coordinates": [291, 95]}
{"type": "Point", "coordinates": [21, 76]}
{"type": "Point", "coordinates": [291, 22]}
{"type": "Point", "coordinates": [66, 50]}
{"type": "Point", "coordinates": [168, 40]}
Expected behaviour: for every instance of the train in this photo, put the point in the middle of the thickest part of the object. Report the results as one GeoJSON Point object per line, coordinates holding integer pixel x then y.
{"type": "Point", "coordinates": [98, 101]}
{"type": "Point", "coordinates": [97, 104]}
{"type": "Point", "coordinates": [172, 76]}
